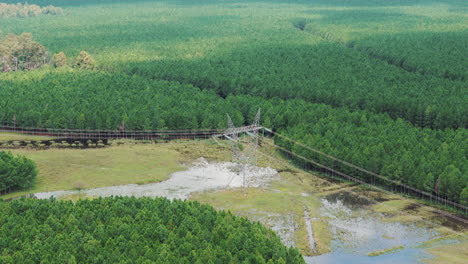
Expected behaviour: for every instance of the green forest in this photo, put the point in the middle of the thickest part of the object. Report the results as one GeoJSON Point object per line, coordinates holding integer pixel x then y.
{"type": "Point", "coordinates": [405, 60]}
{"type": "Point", "coordinates": [379, 84]}
{"type": "Point", "coordinates": [131, 230]}
{"type": "Point", "coordinates": [16, 172]}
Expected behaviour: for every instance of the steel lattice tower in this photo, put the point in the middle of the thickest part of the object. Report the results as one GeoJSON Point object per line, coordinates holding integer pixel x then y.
{"type": "Point", "coordinates": [246, 157]}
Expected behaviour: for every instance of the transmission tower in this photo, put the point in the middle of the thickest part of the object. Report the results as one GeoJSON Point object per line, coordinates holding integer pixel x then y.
{"type": "Point", "coordinates": [253, 139]}
{"type": "Point", "coordinates": [244, 157]}
{"type": "Point", "coordinates": [233, 135]}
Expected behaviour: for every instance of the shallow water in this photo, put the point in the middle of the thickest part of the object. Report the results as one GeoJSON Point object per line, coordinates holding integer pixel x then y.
{"type": "Point", "coordinates": [203, 176]}
{"type": "Point", "coordinates": [284, 225]}
{"type": "Point", "coordinates": [408, 255]}
{"type": "Point", "coordinates": [356, 233]}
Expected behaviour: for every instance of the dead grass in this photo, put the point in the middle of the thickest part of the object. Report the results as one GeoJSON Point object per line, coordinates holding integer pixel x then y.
{"type": "Point", "coordinates": [76, 196]}
{"type": "Point", "coordinates": [453, 254]}
{"type": "Point", "coordinates": [190, 150]}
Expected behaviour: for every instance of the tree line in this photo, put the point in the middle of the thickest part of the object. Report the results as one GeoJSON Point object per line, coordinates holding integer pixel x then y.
{"type": "Point", "coordinates": [16, 172]}
{"type": "Point", "coordinates": [429, 159]}
{"type": "Point", "coordinates": [133, 230]}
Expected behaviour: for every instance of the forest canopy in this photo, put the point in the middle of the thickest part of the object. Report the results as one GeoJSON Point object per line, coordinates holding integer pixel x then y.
{"type": "Point", "coordinates": [131, 230]}
{"type": "Point", "coordinates": [16, 172]}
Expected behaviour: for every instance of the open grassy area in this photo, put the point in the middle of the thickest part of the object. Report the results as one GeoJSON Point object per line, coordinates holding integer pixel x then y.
{"type": "Point", "coordinates": [391, 206]}
{"type": "Point", "coordinates": [453, 254]}
{"type": "Point", "coordinates": [9, 136]}
{"type": "Point", "coordinates": [67, 169]}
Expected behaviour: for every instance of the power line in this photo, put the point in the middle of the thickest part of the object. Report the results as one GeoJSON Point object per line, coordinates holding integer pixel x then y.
{"type": "Point", "coordinates": [231, 133]}
{"type": "Point", "coordinates": [399, 184]}
{"type": "Point", "coordinates": [373, 187]}
{"type": "Point", "coordinates": [443, 213]}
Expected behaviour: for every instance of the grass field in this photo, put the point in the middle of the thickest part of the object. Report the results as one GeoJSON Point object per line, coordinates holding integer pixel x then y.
{"type": "Point", "coordinates": [67, 169]}
{"type": "Point", "coordinates": [454, 254]}
{"type": "Point", "coordinates": [8, 136]}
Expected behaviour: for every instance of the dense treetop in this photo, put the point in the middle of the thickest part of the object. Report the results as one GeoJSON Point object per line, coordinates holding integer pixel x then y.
{"type": "Point", "coordinates": [428, 40]}
{"type": "Point", "coordinates": [131, 230]}
{"type": "Point", "coordinates": [325, 73]}
{"type": "Point", "coordinates": [16, 172]}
